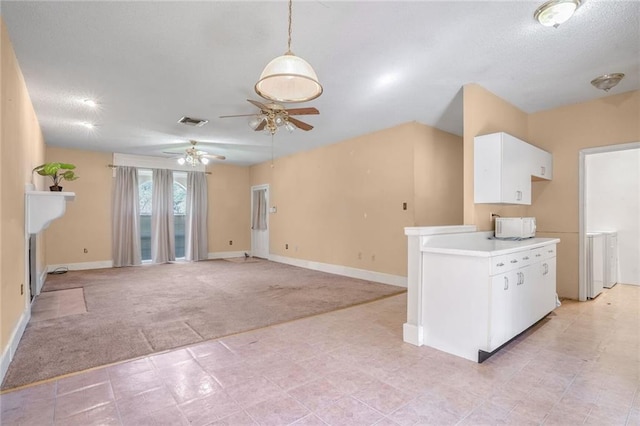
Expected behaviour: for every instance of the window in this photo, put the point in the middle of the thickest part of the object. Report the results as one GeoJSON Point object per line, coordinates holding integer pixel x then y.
{"type": "Point", "coordinates": [145, 194]}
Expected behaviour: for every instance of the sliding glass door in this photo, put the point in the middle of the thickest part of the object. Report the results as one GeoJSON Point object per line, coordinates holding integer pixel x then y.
{"type": "Point", "coordinates": [145, 191]}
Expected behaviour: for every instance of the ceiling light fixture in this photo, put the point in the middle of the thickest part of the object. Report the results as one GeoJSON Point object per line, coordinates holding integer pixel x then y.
{"type": "Point", "coordinates": [88, 125]}
{"type": "Point", "coordinates": [90, 102]}
{"type": "Point", "coordinates": [194, 157]}
{"type": "Point", "coordinates": [555, 12]}
{"type": "Point", "coordinates": [607, 81]}
{"type": "Point", "coordinates": [270, 121]}
{"type": "Point", "coordinates": [288, 78]}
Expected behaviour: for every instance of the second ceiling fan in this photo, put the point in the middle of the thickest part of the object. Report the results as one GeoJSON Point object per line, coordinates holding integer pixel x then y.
{"type": "Point", "coordinates": [272, 116]}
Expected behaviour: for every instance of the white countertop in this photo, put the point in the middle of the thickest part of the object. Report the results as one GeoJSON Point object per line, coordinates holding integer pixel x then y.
{"type": "Point", "coordinates": [478, 244]}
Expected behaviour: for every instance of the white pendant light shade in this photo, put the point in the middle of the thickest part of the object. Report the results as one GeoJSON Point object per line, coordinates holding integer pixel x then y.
{"type": "Point", "coordinates": [556, 12]}
{"type": "Point", "coordinates": [288, 78]}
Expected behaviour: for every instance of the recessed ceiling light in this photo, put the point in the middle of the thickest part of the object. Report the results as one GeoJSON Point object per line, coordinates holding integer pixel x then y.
{"type": "Point", "coordinates": [556, 12]}
{"type": "Point", "coordinates": [90, 102]}
{"type": "Point", "coordinates": [88, 125]}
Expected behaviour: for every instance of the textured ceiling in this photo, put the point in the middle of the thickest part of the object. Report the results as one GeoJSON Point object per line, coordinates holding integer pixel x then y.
{"type": "Point", "coordinates": [380, 63]}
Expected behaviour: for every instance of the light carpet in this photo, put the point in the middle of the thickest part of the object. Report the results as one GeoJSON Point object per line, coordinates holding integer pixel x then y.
{"type": "Point", "coordinates": [141, 310]}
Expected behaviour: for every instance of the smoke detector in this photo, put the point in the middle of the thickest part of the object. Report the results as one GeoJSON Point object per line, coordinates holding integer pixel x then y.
{"type": "Point", "coordinates": [196, 122]}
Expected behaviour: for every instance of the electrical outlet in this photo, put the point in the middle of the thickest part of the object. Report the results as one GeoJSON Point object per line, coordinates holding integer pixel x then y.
{"type": "Point", "coordinates": [359, 255]}
{"type": "Point", "coordinates": [404, 206]}
{"type": "Point", "coordinates": [286, 246]}
{"type": "Point", "coordinates": [86, 251]}
{"type": "Point", "coordinates": [230, 242]}
{"type": "Point", "coordinates": [21, 289]}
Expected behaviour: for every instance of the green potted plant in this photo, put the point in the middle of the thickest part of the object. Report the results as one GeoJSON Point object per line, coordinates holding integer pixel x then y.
{"type": "Point", "coordinates": [57, 172]}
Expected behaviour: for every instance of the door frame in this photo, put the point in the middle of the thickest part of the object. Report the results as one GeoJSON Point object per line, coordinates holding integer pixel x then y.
{"type": "Point", "coordinates": [268, 231]}
{"type": "Point", "coordinates": [582, 207]}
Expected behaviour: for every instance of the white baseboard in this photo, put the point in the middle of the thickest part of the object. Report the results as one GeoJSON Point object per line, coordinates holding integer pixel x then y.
{"type": "Point", "coordinates": [413, 334]}
{"type": "Point", "coordinates": [363, 274]}
{"type": "Point", "coordinates": [100, 264]}
{"type": "Point", "coordinates": [226, 254]}
{"type": "Point", "coordinates": [12, 345]}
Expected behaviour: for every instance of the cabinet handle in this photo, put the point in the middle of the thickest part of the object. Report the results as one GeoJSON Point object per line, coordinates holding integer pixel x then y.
{"type": "Point", "coordinates": [550, 251]}
{"type": "Point", "coordinates": [542, 170]}
{"type": "Point", "coordinates": [525, 258]}
{"type": "Point", "coordinates": [518, 195]}
{"type": "Point", "coordinates": [500, 264]}
{"type": "Point", "coordinates": [520, 278]}
{"type": "Point", "coordinates": [546, 269]}
{"type": "Point", "coordinates": [514, 261]}
{"type": "Point", "coordinates": [506, 283]}
{"type": "Point", "coordinates": [538, 255]}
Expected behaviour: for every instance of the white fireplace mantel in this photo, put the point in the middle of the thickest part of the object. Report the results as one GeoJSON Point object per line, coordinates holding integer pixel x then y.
{"type": "Point", "coordinates": [42, 207]}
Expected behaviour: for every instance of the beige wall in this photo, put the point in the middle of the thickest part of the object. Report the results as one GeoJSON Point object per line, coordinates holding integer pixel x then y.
{"type": "Point", "coordinates": [563, 132]}
{"type": "Point", "coordinates": [486, 113]}
{"type": "Point", "coordinates": [21, 149]}
{"type": "Point", "coordinates": [341, 204]}
{"type": "Point", "coordinates": [229, 208]}
{"type": "Point", "coordinates": [86, 223]}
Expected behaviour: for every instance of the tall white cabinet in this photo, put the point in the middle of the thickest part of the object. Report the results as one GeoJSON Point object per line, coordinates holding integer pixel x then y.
{"type": "Point", "coordinates": [504, 167]}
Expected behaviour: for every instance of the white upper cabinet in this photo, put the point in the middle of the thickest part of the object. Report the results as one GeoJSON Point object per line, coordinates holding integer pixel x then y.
{"type": "Point", "coordinates": [504, 166]}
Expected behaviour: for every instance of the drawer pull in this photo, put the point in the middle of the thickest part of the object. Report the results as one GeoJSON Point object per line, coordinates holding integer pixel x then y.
{"type": "Point", "coordinates": [550, 251]}
{"type": "Point", "coordinates": [500, 264]}
{"type": "Point", "coordinates": [538, 255]}
{"type": "Point", "coordinates": [525, 258]}
{"type": "Point", "coordinates": [514, 261]}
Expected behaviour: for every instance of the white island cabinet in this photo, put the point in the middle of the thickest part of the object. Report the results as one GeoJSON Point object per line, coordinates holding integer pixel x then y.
{"type": "Point", "coordinates": [477, 293]}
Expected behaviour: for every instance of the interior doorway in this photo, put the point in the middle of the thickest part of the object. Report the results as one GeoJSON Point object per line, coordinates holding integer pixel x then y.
{"type": "Point", "coordinates": [584, 220]}
{"type": "Point", "coordinates": [260, 221]}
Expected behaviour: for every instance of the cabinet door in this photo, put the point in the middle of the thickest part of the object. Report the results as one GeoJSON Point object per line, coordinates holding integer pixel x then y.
{"type": "Point", "coordinates": [501, 309]}
{"type": "Point", "coordinates": [541, 163]}
{"type": "Point", "coordinates": [545, 289]}
{"type": "Point", "coordinates": [525, 305]}
{"type": "Point", "coordinates": [515, 182]}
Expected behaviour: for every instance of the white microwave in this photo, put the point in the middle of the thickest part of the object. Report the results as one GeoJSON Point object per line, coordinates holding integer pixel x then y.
{"type": "Point", "coordinates": [515, 227]}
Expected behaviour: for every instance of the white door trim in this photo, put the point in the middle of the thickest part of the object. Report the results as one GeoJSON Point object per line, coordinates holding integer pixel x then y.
{"type": "Point", "coordinates": [582, 195]}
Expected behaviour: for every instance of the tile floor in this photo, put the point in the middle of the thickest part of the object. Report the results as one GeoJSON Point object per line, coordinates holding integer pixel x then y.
{"type": "Point", "coordinates": [579, 366]}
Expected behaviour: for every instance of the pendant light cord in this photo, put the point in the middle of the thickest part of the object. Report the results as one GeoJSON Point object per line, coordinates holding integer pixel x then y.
{"type": "Point", "coordinates": [272, 150]}
{"type": "Point", "coordinates": [289, 39]}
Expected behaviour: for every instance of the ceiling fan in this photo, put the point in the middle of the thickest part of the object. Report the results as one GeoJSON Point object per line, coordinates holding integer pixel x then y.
{"type": "Point", "coordinates": [193, 156]}
{"type": "Point", "coordinates": [272, 116]}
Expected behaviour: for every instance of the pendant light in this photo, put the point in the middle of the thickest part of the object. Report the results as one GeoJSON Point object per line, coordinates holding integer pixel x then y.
{"type": "Point", "coordinates": [288, 78]}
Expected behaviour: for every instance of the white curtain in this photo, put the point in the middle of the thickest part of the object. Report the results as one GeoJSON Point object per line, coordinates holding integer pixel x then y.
{"type": "Point", "coordinates": [162, 229]}
{"type": "Point", "coordinates": [259, 214]}
{"type": "Point", "coordinates": [126, 218]}
{"type": "Point", "coordinates": [196, 235]}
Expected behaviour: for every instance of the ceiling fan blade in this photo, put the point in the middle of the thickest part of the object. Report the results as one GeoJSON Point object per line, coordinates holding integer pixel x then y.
{"type": "Point", "coordinates": [261, 126]}
{"type": "Point", "coordinates": [302, 111]}
{"type": "Point", "coordinates": [258, 104]}
{"type": "Point", "coordinates": [219, 157]}
{"type": "Point", "coordinates": [172, 153]}
{"type": "Point", "coordinates": [300, 124]}
{"type": "Point", "coordinates": [241, 115]}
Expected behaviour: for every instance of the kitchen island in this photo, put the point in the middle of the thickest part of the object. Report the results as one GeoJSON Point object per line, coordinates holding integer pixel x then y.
{"type": "Point", "coordinates": [469, 294]}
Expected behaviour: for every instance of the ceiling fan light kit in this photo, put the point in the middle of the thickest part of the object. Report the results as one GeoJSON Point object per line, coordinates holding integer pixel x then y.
{"type": "Point", "coordinates": [607, 81]}
{"type": "Point", "coordinates": [556, 12]}
{"type": "Point", "coordinates": [194, 157]}
{"type": "Point", "coordinates": [288, 78]}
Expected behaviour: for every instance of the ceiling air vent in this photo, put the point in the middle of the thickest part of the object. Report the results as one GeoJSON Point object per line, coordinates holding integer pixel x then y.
{"type": "Point", "coordinates": [197, 122]}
